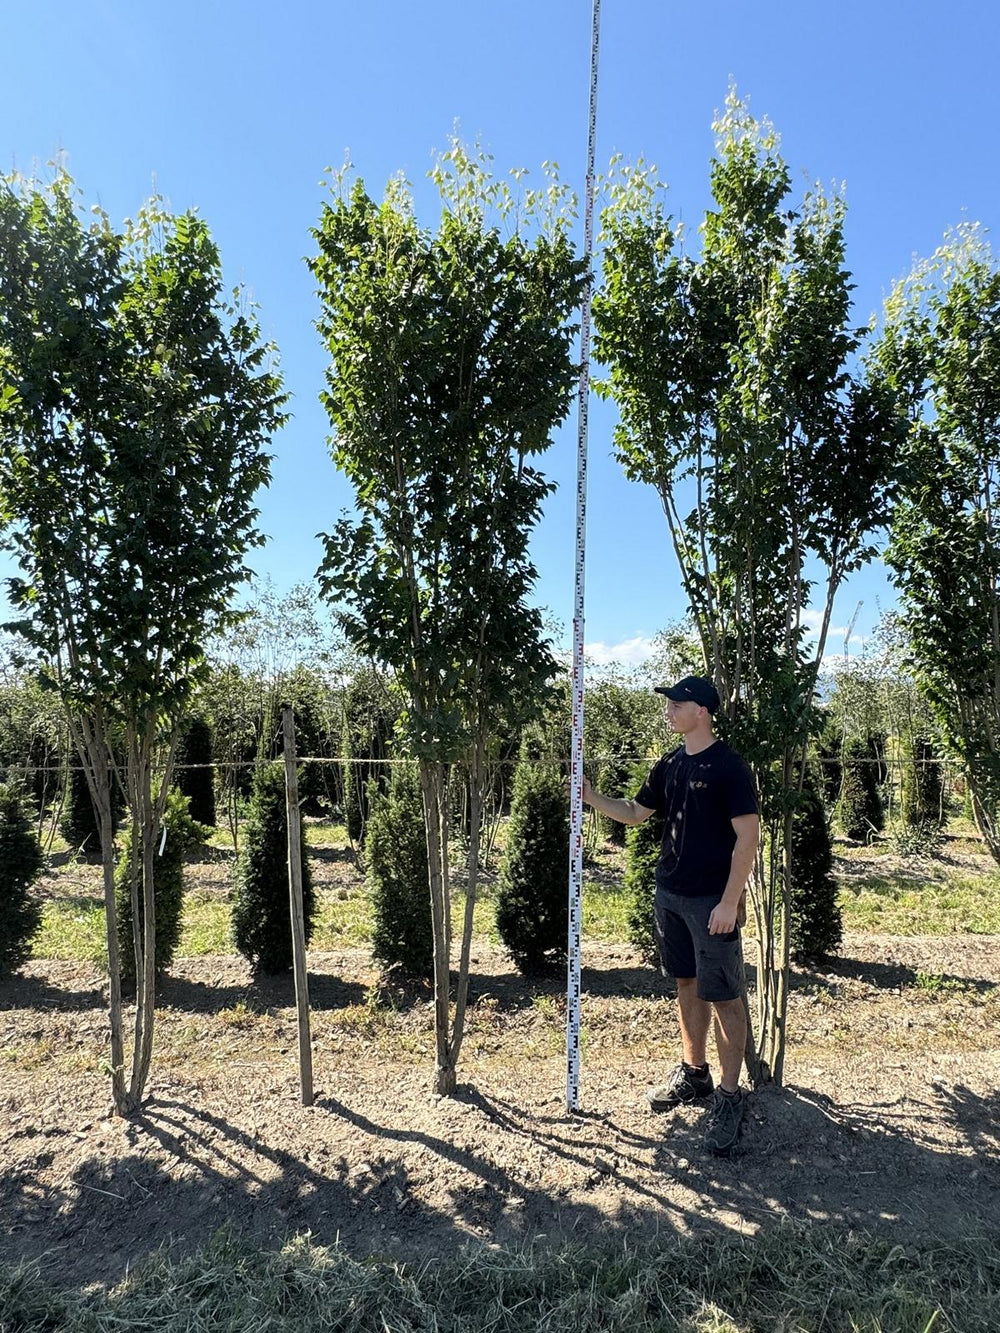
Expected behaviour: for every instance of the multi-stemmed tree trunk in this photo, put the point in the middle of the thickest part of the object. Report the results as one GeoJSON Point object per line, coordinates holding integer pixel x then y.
{"type": "Point", "coordinates": [450, 367]}
{"type": "Point", "coordinates": [134, 410]}
{"type": "Point", "coordinates": [770, 459]}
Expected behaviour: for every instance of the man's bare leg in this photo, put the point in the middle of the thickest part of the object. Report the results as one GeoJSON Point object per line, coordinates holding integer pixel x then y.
{"type": "Point", "coordinates": [731, 1040]}
{"type": "Point", "coordinates": [695, 1017]}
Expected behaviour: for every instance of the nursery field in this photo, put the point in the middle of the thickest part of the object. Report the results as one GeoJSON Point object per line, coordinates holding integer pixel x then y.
{"type": "Point", "coordinates": [888, 1126]}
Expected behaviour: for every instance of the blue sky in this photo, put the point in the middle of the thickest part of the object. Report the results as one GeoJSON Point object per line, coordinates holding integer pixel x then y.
{"type": "Point", "coordinates": [237, 107]}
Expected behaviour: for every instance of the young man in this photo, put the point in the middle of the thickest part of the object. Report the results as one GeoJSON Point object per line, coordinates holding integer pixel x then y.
{"type": "Point", "coordinates": [711, 827]}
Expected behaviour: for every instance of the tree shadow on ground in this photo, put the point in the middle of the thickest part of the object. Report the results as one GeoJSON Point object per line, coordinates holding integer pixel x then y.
{"type": "Point", "coordinates": [379, 1179]}
{"type": "Point", "coordinates": [206, 854]}
{"type": "Point", "coordinates": [884, 976]}
{"type": "Point", "coordinates": [33, 992]}
{"type": "Point", "coordinates": [209, 996]}
{"type": "Point", "coordinates": [333, 855]}
{"type": "Point", "coordinates": [261, 993]}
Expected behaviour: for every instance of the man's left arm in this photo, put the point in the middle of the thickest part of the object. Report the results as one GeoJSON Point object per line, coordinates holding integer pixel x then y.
{"type": "Point", "coordinates": [724, 913]}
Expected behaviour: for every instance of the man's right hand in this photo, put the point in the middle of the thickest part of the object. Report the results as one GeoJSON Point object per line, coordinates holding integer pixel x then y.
{"type": "Point", "coordinates": [588, 790]}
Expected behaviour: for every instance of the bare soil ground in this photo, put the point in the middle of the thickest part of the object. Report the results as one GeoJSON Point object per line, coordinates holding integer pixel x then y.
{"type": "Point", "coordinates": [889, 1117]}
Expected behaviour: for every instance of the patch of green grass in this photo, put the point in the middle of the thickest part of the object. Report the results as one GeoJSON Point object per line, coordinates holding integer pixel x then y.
{"type": "Point", "coordinates": [220, 838]}
{"type": "Point", "coordinates": [936, 985]}
{"type": "Point", "coordinates": [323, 834]}
{"type": "Point", "coordinates": [959, 904]}
{"type": "Point", "coordinates": [205, 925]}
{"type": "Point", "coordinates": [73, 928]}
{"type": "Point", "coordinates": [605, 911]}
{"type": "Point", "coordinates": [344, 919]}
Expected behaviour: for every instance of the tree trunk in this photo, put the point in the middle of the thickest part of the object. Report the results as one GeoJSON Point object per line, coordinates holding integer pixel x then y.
{"type": "Point", "coordinates": [146, 978]}
{"type": "Point", "coordinates": [984, 820]}
{"type": "Point", "coordinates": [93, 752]}
{"type": "Point", "coordinates": [476, 780]}
{"type": "Point", "coordinates": [430, 789]}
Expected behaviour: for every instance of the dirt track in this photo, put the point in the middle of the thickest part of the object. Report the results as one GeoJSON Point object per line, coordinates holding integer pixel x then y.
{"type": "Point", "coordinates": [889, 1116]}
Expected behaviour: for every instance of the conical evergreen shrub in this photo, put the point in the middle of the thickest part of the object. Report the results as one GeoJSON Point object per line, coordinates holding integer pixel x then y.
{"type": "Point", "coordinates": [79, 824]}
{"type": "Point", "coordinates": [262, 918]}
{"type": "Point", "coordinates": [817, 925]}
{"type": "Point", "coordinates": [861, 811]}
{"type": "Point", "coordinates": [197, 783]}
{"type": "Point", "coordinates": [397, 878]}
{"type": "Point", "coordinates": [829, 744]}
{"type": "Point", "coordinates": [532, 908]}
{"type": "Point", "coordinates": [21, 862]}
{"type": "Point", "coordinates": [183, 832]}
{"type": "Point", "coordinates": [366, 733]}
{"type": "Point", "coordinates": [921, 785]}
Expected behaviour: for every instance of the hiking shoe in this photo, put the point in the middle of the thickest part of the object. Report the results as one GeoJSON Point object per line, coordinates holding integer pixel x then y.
{"type": "Point", "coordinates": [724, 1122]}
{"type": "Point", "coordinates": [685, 1085]}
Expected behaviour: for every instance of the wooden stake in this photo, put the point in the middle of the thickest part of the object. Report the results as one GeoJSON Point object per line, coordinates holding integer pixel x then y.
{"type": "Point", "coordinates": [298, 912]}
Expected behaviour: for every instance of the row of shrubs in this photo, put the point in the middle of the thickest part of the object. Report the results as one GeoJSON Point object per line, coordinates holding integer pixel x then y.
{"type": "Point", "coordinates": [531, 899]}
{"type": "Point", "coordinates": [860, 781]}
{"type": "Point", "coordinates": [260, 913]}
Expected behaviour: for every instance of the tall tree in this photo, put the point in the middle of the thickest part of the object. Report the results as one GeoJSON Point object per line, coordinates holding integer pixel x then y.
{"type": "Point", "coordinates": [731, 374]}
{"type": "Point", "coordinates": [450, 366]}
{"type": "Point", "coordinates": [135, 406]}
{"type": "Point", "coordinates": [940, 349]}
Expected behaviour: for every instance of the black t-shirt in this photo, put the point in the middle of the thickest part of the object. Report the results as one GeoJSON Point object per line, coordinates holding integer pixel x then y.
{"type": "Point", "coordinates": [698, 795]}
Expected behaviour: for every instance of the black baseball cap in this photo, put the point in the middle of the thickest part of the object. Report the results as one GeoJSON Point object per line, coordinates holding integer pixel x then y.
{"type": "Point", "coordinates": [693, 689]}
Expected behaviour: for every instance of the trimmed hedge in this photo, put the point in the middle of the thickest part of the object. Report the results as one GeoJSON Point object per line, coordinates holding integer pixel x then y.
{"type": "Point", "coordinates": [397, 878]}
{"type": "Point", "coordinates": [21, 863]}
{"type": "Point", "coordinates": [262, 914]}
{"type": "Point", "coordinates": [532, 907]}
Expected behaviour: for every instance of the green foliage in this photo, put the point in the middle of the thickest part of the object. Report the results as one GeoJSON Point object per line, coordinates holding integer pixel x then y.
{"type": "Point", "coordinates": [739, 380]}
{"type": "Point", "coordinates": [262, 921]}
{"type": "Point", "coordinates": [828, 744]}
{"type": "Point", "coordinates": [642, 851]}
{"type": "Point", "coordinates": [922, 794]}
{"type": "Point", "coordinates": [451, 366]}
{"type": "Point", "coordinates": [136, 404]}
{"type": "Point", "coordinates": [79, 824]}
{"type": "Point", "coordinates": [232, 701]}
{"type": "Point", "coordinates": [396, 876]}
{"type": "Point", "coordinates": [817, 926]}
{"type": "Point", "coordinates": [183, 832]}
{"type": "Point", "coordinates": [369, 716]}
{"type": "Point", "coordinates": [917, 841]}
{"type": "Point", "coordinates": [532, 900]}
{"type": "Point", "coordinates": [620, 723]}
{"type": "Point", "coordinates": [32, 733]}
{"type": "Point", "coordinates": [940, 349]}
{"type": "Point", "coordinates": [305, 691]}
{"type": "Point", "coordinates": [677, 652]}
{"type": "Point", "coordinates": [21, 863]}
{"type": "Point", "coordinates": [198, 782]}
{"type": "Point", "coordinates": [861, 811]}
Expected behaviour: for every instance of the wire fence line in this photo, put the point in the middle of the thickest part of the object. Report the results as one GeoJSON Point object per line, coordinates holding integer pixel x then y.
{"type": "Point", "coordinates": [945, 761]}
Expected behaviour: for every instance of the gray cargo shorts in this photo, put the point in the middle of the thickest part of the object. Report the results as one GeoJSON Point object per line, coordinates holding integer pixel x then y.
{"type": "Point", "coordinates": [686, 948]}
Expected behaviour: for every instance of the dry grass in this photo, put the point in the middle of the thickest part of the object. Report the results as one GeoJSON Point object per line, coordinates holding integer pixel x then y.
{"type": "Point", "coordinates": [791, 1279]}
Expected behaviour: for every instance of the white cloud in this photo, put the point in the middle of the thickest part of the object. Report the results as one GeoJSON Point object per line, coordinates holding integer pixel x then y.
{"type": "Point", "coordinates": [629, 653]}
{"type": "Point", "coordinates": [813, 621]}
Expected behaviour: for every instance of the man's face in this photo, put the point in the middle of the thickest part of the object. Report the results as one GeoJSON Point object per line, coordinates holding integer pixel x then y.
{"type": "Point", "coordinates": [682, 717]}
